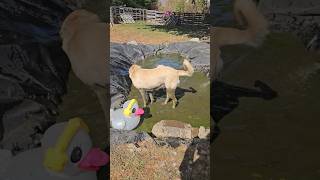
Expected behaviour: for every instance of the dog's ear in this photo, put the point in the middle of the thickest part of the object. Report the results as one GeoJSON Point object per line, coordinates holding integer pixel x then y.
{"type": "Point", "coordinates": [68, 26]}
{"type": "Point", "coordinates": [93, 18]}
{"type": "Point", "coordinates": [74, 19]}
{"type": "Point", "coordinates": [87, 16]}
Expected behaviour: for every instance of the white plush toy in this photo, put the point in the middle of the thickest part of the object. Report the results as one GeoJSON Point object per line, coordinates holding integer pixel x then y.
{"type": "Point", "coordinates": [127, 117]}
{"type": "Point", "coordinates": [66, 153]}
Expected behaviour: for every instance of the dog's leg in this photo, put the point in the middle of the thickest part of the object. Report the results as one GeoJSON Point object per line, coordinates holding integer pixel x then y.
{"type": "Point", "coordinates": [142, 92]}
{"type": "Point", "coordinates": [151, 98]}
{"type": "Point", "coordinates": [167, 98]}
{"type": "Point", "coordinates": [173, 97]}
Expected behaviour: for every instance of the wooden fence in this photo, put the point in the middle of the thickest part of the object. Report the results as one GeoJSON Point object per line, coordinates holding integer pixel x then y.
{"type": "Point", "coordinates": [155, 17]}
{"type": "Point", "coordinates": [136, 13]}
{"type": "Point", "coordinates": [191, 18]}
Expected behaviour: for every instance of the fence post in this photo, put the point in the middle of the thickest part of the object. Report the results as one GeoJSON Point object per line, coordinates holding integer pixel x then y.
{"type": "Point", "coordinates": [142, 14]}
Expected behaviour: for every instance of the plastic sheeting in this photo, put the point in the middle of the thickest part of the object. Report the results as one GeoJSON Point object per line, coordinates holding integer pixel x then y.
{"type": "Point", "coordinates": [31, 20]}
{"type": "Point", "coordinates": [33, 70]}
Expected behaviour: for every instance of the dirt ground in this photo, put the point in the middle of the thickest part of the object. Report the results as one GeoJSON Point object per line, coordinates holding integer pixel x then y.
{"type": "Point", "coordinates": [147, 160]}
{"type": "Point", "coordinates": [148, 34]}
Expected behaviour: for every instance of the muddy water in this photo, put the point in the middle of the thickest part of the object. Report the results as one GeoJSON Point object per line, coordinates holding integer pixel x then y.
{"type": "Point", "coordinates": [193, 96]}
{"type": "Point", "coordinates": [171, 60]}
{"type": "Point", "coordinates": [278, 138]}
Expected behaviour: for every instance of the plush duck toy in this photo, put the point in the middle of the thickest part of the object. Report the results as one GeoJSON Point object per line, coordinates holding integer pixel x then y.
{"type": "Point", "coordinates": [66, 153]}
{"type": "Point", "coordinates": [127, 117]}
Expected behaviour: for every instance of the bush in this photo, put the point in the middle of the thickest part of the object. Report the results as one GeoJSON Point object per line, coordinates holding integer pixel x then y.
{"type": "Point", "coordinates": [147, 4]}
{"type": "Point", "coordinates": [191, 6]}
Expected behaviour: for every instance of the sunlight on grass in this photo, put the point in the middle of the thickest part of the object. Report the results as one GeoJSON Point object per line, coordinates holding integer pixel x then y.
{"type": "Point", "coordinates": [155, 34]}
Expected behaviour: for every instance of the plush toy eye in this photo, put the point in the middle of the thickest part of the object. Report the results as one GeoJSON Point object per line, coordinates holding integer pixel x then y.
{"type": "Point", "coordinates": [76, 154]}
{"type": "Point", "coordinates": [133, 110]}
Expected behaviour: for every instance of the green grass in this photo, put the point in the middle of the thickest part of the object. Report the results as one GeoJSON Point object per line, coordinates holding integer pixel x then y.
{"type": "Point", "coordinates": [189, 31]}
{"type": "Point", "coordinates": [145, 28]}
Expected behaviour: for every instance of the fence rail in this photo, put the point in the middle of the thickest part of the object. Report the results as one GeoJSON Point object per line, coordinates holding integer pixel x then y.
{"type": "Point", "coordinates": [191, 18]}
{"type": "Point", "coordinates": [155, 17]}
{"type": "Point", "coordinates": [136, 13]}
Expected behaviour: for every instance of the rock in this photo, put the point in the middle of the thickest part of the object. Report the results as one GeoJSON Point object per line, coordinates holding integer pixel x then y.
{"type": "Point", "coordinates": [173, 128]}
{"type": "Point", "coordinates": [196, 162]}
{"type": "Point", "coordinates": [195, 40]}
{"type": "Point", "coordinates": [132, 42]}
{"type": "Point", "coordinates": [205, 39]}
{"type": "Point", "coordinates": [132, 148]}
{"type": "Point", "coordinates": [172, 142]}
{"type": "Point", "coordinates": [294, 16]}
{"type": "Point", "coordinates": [203, 133]}
{"type": "Point", "coordinates": [195, 132]}
{"type": "Point", "coordinates": [196, 155]}
{"type": "Point", "coordinates": [125, 137]}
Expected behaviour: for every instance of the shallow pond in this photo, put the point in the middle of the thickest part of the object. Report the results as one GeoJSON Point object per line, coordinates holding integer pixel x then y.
{"type": "Point", "coordinates": [171, 60]}
{"type": "Point", "coordinates": [193, 94]}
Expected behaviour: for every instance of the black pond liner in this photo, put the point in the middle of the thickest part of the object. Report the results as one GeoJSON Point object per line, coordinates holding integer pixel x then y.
{"type": "Point", "coordinates": [33, 79]}
{"type": "Point", "coordinates": [33, 70]}
{"type": "Point", "coordinates": [122, 56]}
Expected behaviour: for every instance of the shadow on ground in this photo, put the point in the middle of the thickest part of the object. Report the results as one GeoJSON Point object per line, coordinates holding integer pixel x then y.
{"type": "Point", "coordinates": [196, 161]}
{"type": "Point", "coordinates": [180, 92]}
{"type": "Point", "coordinates": [225, 98]}
{"type": "Point", "coordinates": [191, 31]}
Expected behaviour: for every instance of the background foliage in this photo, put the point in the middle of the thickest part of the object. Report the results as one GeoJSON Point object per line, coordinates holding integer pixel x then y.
{"type": "Point", "coordinates": [192, 6]}
{"type": "Point", "coordinates": [148, 4]}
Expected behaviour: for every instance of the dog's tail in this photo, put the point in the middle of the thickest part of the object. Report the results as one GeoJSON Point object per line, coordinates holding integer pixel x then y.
{"type": "Point", "coordinates": [246, 13]}
{"type": "Point", "coordinates": [188, 69]}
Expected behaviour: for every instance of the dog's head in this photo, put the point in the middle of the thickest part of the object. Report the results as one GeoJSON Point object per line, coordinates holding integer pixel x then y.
{"type": "Point", "coordinates": [75, 20]}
